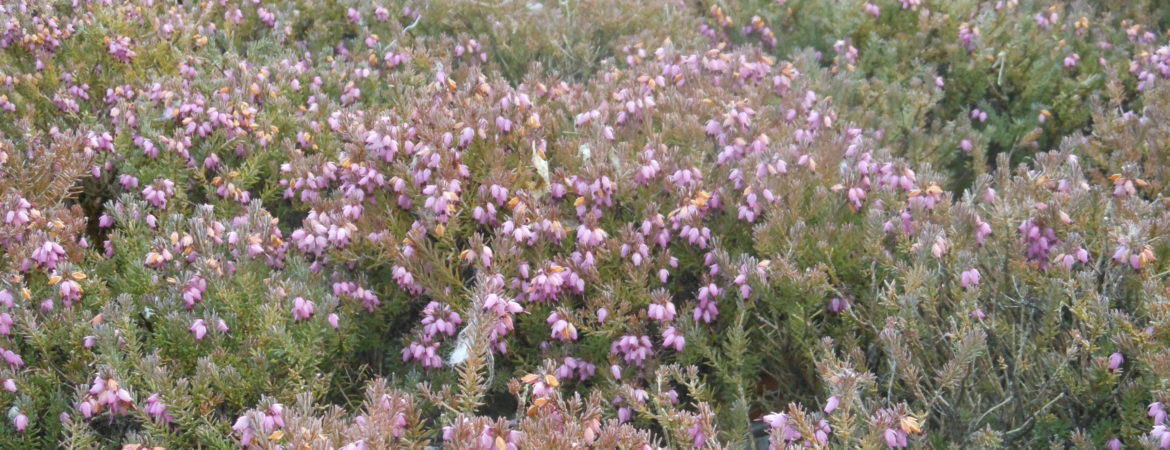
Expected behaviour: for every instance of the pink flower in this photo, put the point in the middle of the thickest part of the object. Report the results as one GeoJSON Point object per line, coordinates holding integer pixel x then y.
{"type": "Point", "coordinates": [1157, 413]}
{"type": "Point", "coordinates": [193, 291]}
{"type": "Point", "coordinates": [466, 136]}
{"type": "Point", "coordinates": [48, 255]}
{"type": "Point", "coordinates": [542, 385]}
{"type": "Point", "coordinates": [10, 385]}
{"type": "Point", "coordinates": [590, 237]}
{"type": "Point", "coordinates": [12, 358]}
{"type": "Point", "coordinates": [70, 292]}
{"type": "Point", "coordinates": [969, 279]}
{"type": "Point", "coordinates": [120, 49]}
{"type": "Point", "coordinates": [990, 195]}
{"type": "Point", "coordinates": [1135, 258]}
{"type": "Point", "coordinates": [158, 259]}
{"type": "Point", "coordinates": [20, 422]}
{"type": "Point", "coordinates": [698, 437]}
{"type": "Point", "coordinates": [672, 338]}
{"type": "Point", "coordinates": [157, 193]}
{"type": "Point", "coordinates": [199, 329]}
{"type": "Point", "coordinates": [439, 318]}
{"type": "Point", "coordinates": [787, 431]}
{"type": "Point", "coordinates": [976, 114]}
{"type": "Point", "coordinates": [707, 310]}
{"type": "Point", "coordinates": [982, 230]}
{"type": "Point", "coordinates": [5, 324]}
{"type": "Point", "coordinates": [562, 330]}
{"type": "Point", "coordinates": [836, 305]}
{"type": "Point", "coordinates": [571, 365]}
{"type": "Point", "coordinates": [244, 427]}
{"type": "Point", "coordinates": [333, 321]}
{"type": "Point", "coordinates": [1162, 435]}
{"type": "Point", "coordinates": [832, 404]}
{"type": "Point", "coordinates": [940, 247]}
{"type": "Point", "coordinates": [426, 353]}
{"type": "Point", "coordinates": [106, 393]}
{"type": "Point", "coordinates": [270, 420]}
{"type": "Point", "coordinates": [19, 214]}
{"type": "Point", "coordinates": [1115, 361]}
{"type": "Point", "coordinates": [157, 409]}
{"type": "Point", "coordinates": [662, 312]}
{"type": "Point", "coordinates": [128, 181]}
{"type": "Point", "coordinates": [634, 349]}
{"type": "Point", "coordinates": [895, 438]}
{"type": "Point", "coordinates": [302, 309]}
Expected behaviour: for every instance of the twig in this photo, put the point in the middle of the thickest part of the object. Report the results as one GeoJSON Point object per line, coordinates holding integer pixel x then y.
{"type": "Point", "coordinates": [1031, 420]}
{"type": "Point", "coordinates": [412, 25]}
{"type": "Point", "coordinates": [979, 421]}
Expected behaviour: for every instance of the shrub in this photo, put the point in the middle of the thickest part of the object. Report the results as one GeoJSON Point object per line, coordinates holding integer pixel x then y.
{"type": "Point", "coordinates": [616, 224]}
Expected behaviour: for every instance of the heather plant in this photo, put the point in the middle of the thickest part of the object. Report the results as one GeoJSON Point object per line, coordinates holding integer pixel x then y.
{"type": "Point", "coordinates": [583, 223]}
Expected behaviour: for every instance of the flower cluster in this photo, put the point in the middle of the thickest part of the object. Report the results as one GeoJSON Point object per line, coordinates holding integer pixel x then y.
{"type": "Point", "coordinates": [106, 395]}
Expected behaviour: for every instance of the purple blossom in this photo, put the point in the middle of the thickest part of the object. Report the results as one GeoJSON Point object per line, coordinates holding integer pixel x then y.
{"type": "Point", "coordinates": [438, 319]}
{"type": "Point", "coordinates": [48, 255]}
{"type": "Point", "coordinates": [157, 409]}
{"type": "Point", "coordinates": [199, 329]}
{"type": "Point", "coordinates": [633, 349]}
{"type": "Point", "coordinates": [20, 422]}
{"type": "Point", "coordinates": [1115, 361]}
{"type": "Point", "coordinates": [831, 404]}
{"type": "Point", "coordinates": [158, 193]}
{"type": "Point", "coordinates": [672, 338]}
{"type": "Point", "coordinates": [106, 394]}
{"type": "Point", "coordinates": [302, 309]}
{"type": "Point", "coordinates": [970, 278]}
{"type": "Point", "coordinates": [120, 48]}
{"type": "Point", "coordinates": [562, 330]}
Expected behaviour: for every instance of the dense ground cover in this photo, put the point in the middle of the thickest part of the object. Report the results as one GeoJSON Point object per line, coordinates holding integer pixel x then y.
{"type": "Point", "coordinates": [584, 223]}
